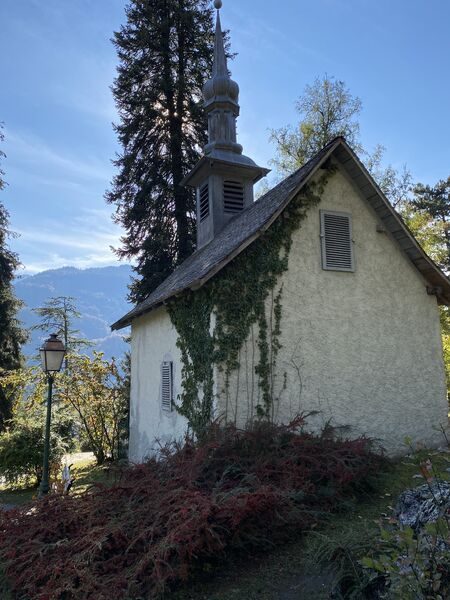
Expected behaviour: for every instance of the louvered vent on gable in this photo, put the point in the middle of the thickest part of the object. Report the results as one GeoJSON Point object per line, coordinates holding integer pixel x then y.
{"type": "Point", "coordinates": [204, 201]}
{"type": "Point", "coordinates": [167, 385]}
{"type": "Point", "coordinates": [233, 196]}
{"type": "Point", "coordinates": [337, 244]}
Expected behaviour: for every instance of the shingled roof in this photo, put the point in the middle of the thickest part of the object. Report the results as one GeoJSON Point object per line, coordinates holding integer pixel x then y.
{"type": "Point", "coordinates": [252, 222]}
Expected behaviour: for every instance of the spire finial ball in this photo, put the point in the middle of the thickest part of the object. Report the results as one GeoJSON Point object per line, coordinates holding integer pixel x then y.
{"type": "Point", "coordinates": [218, 4]}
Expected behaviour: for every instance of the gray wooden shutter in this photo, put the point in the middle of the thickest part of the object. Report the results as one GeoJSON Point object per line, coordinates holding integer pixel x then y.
{"type": "Point", "coordinates": [233, 196]}
{"type": "Point", "coordinates": [203, 196]}
{"type": "Point", "coordinates": [336, 238]}
{"type": "Point", "coordinates": [166, 385]}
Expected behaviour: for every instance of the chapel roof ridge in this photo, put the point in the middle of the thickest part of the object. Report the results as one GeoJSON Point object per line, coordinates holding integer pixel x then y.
{"type": "Point", "coordinates": [203, 257]}
{"type": "Point", "coordinates": [248, 225]}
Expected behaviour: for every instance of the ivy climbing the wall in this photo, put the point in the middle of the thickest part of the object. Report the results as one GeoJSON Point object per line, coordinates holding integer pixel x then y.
{"type": "Point", "coordinates": [214, 321]}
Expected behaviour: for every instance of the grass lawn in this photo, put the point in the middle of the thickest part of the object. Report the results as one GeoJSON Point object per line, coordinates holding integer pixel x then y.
{"type": "Point", "coordinates": [84, 471]}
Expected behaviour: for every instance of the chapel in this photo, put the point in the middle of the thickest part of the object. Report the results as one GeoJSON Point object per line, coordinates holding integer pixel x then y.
{"type": "Point", "coordinates": [315, 298]}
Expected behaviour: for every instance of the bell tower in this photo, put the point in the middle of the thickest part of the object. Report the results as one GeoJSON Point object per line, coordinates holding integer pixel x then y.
{"type": "Point", "coordinates": [224, 177]}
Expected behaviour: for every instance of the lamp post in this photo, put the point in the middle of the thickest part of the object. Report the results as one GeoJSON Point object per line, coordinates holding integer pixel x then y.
{"type": "Point", "coordinates": [52, 355]}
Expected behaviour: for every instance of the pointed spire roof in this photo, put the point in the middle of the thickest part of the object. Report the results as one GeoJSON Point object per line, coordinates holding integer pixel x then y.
{"type": "Point", "coordinates": [220, 59]}
{"type": "Point", "coordinates": [220, 88]}
{"type": "Point", "coordinates": [221, 95]}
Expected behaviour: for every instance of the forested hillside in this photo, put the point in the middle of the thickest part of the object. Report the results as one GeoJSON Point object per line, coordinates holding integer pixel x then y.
{"type": "Point", "coordinates": [100, 296]}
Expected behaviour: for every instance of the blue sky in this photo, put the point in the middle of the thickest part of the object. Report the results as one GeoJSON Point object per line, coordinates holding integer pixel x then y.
{"type": "Point", "coordinates": [57, 63]}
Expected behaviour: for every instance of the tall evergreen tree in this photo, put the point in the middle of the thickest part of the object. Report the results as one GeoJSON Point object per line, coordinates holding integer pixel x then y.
{"type": "Point", "coordinates": [427, 214]}
{"type": "Point", "coordinates": [434, 203]}
{"type": "Point", "coordinates": [12, 336]}
{"type": "Point", "coordinates": [165, 52]}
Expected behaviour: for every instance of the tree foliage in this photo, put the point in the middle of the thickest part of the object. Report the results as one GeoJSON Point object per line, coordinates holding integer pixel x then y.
{"type": "Point", "coordinates": [432, 203]}
{"type": "Point", "coordinates": [22, 444]}
{"type": "Point", "coordinates": [427, 231]}
{"type": "Point", "coordinates": [165, 52]}
{"type": "Point", "coordinates": [427, 215]}
{"type": "Point", "coordinates": [92, 394]}
{"type": "Point", "coordinates": [57, 315]}
{"type": "Point", "coordinates": [96, 392]}
{"type": "Point", "coordinates": [124, 386]}
{"type": "Point", "coordinates": [395, 184]}
{"type": "Point", "coordinates": [327, 109]}
{"type": "Point", "coordinates": [12, 336]}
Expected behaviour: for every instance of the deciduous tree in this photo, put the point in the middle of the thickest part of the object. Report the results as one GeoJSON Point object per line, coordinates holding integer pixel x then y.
{"type": "Point", "coordinates": [327, 109]}
{"type": "Point", "coordinates": [95, 390]}
{"type": "Point", "coordinates": [91, 399]}
{"type": "Point", "coordinates": [22, 442]}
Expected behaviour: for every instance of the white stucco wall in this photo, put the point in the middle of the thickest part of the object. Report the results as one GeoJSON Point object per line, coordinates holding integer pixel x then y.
{"type": "Point", "coordinates": [362, 348]}
{"type": "Point", "coordinates": [153, 339]}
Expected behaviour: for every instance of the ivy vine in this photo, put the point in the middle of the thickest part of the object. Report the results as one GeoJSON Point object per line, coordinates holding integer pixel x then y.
{"type": "Point", "coordinates": [214, 321]}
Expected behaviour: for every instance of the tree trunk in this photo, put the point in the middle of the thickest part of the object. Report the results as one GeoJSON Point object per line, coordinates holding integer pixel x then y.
{"type": "Point", "coordinates": [175, 93]}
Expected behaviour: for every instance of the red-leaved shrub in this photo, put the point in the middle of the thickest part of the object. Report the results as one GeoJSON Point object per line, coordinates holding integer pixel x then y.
{"type": "Point", "coordinates": [238, 489]}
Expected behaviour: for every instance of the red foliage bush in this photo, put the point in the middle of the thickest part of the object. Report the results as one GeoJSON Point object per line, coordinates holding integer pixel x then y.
{"type": "Point", "coordinates": [238, 489]}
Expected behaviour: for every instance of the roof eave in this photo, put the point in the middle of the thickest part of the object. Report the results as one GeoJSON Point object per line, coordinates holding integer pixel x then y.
{"type": "Point", "coordinates": [194, 177]}
{"type": "Point", "coordinates": [438, 280]}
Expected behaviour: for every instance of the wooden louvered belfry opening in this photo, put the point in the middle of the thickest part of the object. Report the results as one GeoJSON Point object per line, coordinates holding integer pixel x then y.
{"type": "Point", "coordinates": [337, 243]}
{"type": "Point", "coordinates": [233, 196]}
{"type": "Point", "coordinates": [204, 201]}
{"type": "Point", "coordinates": [167, 385]}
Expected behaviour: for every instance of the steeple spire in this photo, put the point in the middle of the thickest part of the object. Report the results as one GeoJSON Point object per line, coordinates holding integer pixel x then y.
{"type": "Point", "coordinates": [223, 177]}
{"type": "Point", "coordinates": [220, 59]}
{"type": "Point", "coordinates": [221, 95]}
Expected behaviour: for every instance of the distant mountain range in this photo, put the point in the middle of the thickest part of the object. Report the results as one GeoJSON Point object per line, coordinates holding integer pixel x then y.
{"type": "Point", "coordinates": [100, 296]}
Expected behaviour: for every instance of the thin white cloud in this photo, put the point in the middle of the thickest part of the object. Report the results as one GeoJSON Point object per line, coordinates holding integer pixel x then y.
{"type": "Point", "coordinates": [32, 150]}
{"type": "Point", "coordinates": [76, 240]}
{"type": "Point", "coordinates": [56, 261]}
{"type": "Point", "coordinates": [61, 182]}
{"type": "Point", "coordinates": [83, 242]}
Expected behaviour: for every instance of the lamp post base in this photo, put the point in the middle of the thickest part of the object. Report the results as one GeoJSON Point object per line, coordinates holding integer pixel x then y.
{"type": "Point", "coordinates": [43, 490]}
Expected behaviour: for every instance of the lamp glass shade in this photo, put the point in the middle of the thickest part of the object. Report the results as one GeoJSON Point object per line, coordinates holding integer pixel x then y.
{"type": "Point", "coordinates": [52, 354]}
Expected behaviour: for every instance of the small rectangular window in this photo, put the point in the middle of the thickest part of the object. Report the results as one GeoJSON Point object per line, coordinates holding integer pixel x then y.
{"type": "Point", "coordinates": [233, 196]}
{"type": "Point", "coordinates": [337, 243]}
{"type": "Point", "coordinates": [204, 201]}
{"type": "Point", "coordinates": [167, 385]}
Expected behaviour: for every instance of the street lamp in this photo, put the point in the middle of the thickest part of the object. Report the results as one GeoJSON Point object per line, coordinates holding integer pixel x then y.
{"type": "Point", "coordinates": [52, 355]}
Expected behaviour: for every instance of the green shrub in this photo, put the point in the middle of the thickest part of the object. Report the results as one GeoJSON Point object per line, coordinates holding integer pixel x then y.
{"type": "Point", "coordinates": [414, 562]}
{"type": "Point", "coordinates": [22, 445]}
